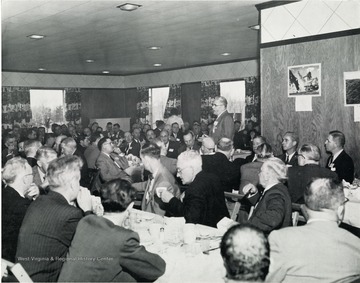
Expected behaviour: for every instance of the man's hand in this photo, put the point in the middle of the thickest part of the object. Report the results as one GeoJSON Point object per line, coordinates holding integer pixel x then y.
{"type": "Point", "coordinates": [250, 188]}
{"type": "Point", "coordinates": [32, 192]}
{"type": "Point", "coordinates": [166, 196]}
{"type": "Point", "coordinates": [84, 199]}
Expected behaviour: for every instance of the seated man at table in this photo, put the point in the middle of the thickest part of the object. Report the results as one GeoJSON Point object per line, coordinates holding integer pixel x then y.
{"type": "Point", "coordinates": [189, 142]}
{"type": "Point", "coordinates": [289, 145]}
{"type": "Point", "coordinates": [115, 254]}
{"type": "Point", "coordinates": [339, 161]}
{"type": "Point", "coordinates": [273, 205]}
{"type": "Point", "coordinates": [112, 166]}
{"type": "Point", "coordinates": [16, 197]}
{"type": "Point", "coordinates": [220, 165]}
{"type": "Point", "coordinates": [50, 221]}
{"type": "Point", "coordinates": [320, 251]}
{"type": "Point", "coordinates": [204, 200]}
{"type": "Point", "coordinates": [245, 251]}
{"type": "Point", "coordinates": [161, 179]}
{"type": "Point", "coordinates": [171, 147]}
{"type": "Point", "coordinates": [300, 176]}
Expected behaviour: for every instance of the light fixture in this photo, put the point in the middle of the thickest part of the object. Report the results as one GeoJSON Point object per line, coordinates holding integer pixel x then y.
{"type": "Point", "coordinates": [36, 36]}
{"type": "Point", "coordinates": [226, 54]}
{"type": "Point", "coordinates": [90, 61]}
{"type": "Point", "coordinates": [128, 7]}
{"type": "Point", "coordinates": [157, 65]}
{"type": "Point", "coordinates": [255, 27]}
{"type": "Point", "coordinates": [154, 47]}
{"type": "Point", "coordinates": [105, 72]}
{"type": "Point", "coordinates": [42, 69]}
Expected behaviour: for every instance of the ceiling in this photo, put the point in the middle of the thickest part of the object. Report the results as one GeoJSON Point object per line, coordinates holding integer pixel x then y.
{"type": "Point", "coordinates": [190, 33]}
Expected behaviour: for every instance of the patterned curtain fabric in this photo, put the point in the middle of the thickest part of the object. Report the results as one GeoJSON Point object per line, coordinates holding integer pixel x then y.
{"type": "Point", "coordinates": [73, 104]}
{"type": "Point", "coordinates": [142, 106]}
{"type": "Point", "coordinates": [174, 100]}
{"type": "Point", "coordinates": [16, 105]}
{"type": "Point", "coordinates": [252, 99]}
{"type": "Point", "coordinates": [209, 90]}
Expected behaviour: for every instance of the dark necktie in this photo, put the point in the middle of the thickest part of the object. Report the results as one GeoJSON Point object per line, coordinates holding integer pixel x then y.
{"type": "Point", "coordinates": [287, 159]}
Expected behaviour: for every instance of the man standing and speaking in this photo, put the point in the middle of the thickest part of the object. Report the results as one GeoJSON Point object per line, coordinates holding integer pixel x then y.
{"type": "Point", "coordinates": [223, 126]}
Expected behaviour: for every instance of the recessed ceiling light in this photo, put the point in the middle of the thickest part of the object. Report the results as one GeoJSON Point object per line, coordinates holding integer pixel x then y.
{"type": "Point", "coordinates": [255, 27]}
{"type": "Point", "coordinates": [154, 47]}
{"type": "Point", "coordinates": [226, 54]}
{"type": "Point", "coordinates": [36, 36]}
{"type": "Point", "coordinates": [42, 69]}
{"type": "Point", "coordinates": [157, 65]}
{"type": "Point", "coordinates": [90, 61]}
{"type": "Point", "coordinates": [105, 72]}
{"type": "Point", "coordinates": [128, 7]}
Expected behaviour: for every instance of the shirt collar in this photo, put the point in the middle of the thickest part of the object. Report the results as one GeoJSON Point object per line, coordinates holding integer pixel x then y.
{"type": "Point", "coordinates": [290, 155]}
{"type": "Point", "coordinates": [337, 154]}
{"type": "Point", "coordinates": [268, 187]}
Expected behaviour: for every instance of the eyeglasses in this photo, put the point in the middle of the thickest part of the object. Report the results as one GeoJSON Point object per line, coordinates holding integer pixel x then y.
{"type": "Point", "coordinates": [216, 104]}
{"type": "Point", "coordinates": [345, 201]}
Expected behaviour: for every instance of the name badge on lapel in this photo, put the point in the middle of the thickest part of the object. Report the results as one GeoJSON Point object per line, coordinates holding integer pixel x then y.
{"type": "Point", "coordinates": [171, 150]}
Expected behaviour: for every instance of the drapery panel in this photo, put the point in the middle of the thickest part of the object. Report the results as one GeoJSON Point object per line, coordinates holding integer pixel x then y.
{"type": "Point", "coordinates": [174, 100]}
{"type": "Point", "coordinates": [252, 99]}
{"type": "Point", "coordinates": [209, 90]}
{"type": "Point", "coordinates": [142, 105]}
{"type": "Point", "coordinates": [16, 105]}
{"type": "Point", "coordinates": [73, 104]}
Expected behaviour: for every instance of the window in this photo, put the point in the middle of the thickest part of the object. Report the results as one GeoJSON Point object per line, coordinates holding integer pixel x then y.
{"type": "Point", "coordinates": [158, 98]}
{"type": "Point", "coordinates": [234, 92]}
{"type": "Point", "coordinates": [48, 107]}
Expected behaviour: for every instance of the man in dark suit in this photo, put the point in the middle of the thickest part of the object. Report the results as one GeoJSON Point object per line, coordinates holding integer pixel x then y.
{"type": "Point", "coordinates": [133, 147]}
{"type": "Point", "coordinates": [257, 141]}
{"type": "Point", "coordinates": [50, 222]}
{"type": "Point", "coordinates": [159, 127]}
{"type": "Point", "coordinates": [160, 178]}
{"type": "Point", "coordinates": [223, 126]}
{"type": "Point", "coordinates": [289, 145]}
{"type": "Point", "coordinates": [109, 130]}
{"type": "Point", "coordinates": [176, 134]}
{"type": "Point", "coordinates": [44, 156]}
{"type": "Point", "coordinates": [272, 206]}
{"type": "Point", "coordinates": [242, 139]}
{"type": "Point", "coordinates": [10, 150]}
{"type": "Point", "coordinates": [16, 197]}
{"type": "Point", "coordinates": [69, 147]}
{"type": "Point", "coordinates": [339, 161]}
{"type": "Point", "coordinates": [112, 166]}
{"type": "Point", "coordinates": [204, 200]}
{"type": "Point", "coordinates": [300, 176]}
{"type": "Point", "coordinates": [189, 143]}
{"type": "Point", "coordinates": [220, 165]}
{"type": "Point", "coordinates": [30, 148]}
{"type": "Point", "coordinates": [171, 147]}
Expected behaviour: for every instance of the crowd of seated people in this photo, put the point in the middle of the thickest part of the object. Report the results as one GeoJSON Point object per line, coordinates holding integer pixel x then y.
{"type": "Point", "coordinates": [180, 169]}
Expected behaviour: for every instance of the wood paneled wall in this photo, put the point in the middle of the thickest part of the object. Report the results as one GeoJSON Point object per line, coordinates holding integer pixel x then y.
{"type": "Point", "coordinates": [336, 55]}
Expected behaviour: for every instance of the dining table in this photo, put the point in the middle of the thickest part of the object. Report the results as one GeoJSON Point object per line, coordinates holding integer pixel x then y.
{"type": "Point", "coordinates": [191, 251]}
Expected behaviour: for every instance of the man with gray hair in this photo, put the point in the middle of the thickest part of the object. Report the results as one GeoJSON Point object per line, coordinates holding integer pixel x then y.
{"type": "Point", "coordinates": [224, 124]}
{"type": "Point", "coordinates": [50, 222]}
{"type": "Point", "coordinates": [16, 196]}
{"type": "Point", "coordinates": [339, 161]}
{"type": "Point", "coordinates": [207, 146]}
{"type": "Point", "coordinates": [30, 149]}
{"type": "Point", "coordinates": [204, 200]}
{"type": "Point", "coordinates": [245, 252]}
{"type": "Point", "coordinates": [220, 165]}
{"type": "Point", "coordinates": [319, 251]}
{"type": "Point", "coordinates": [300, 176]}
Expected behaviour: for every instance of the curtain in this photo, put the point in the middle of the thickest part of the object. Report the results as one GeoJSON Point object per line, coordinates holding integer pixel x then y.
{"type": "Point", "coordinates": [252, 99]}
{"type": "Point", "coordinates": [16, 105]}
{"type": "Point", "coordinates": [142, 106]}
{"type": "Point", "coordinates": [159, 99]}
{"type": "Point", "coordinates": [174, 100]}
{"type": "Point", "coordinates": [209, 90]}
{"type": "Point", "coordinates": [73, 105]}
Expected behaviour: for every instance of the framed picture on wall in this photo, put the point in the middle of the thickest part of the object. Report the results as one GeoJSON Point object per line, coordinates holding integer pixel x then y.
{"type": "Point", "coordinates": [352, 88]}
{"type": "Point", "coordinates": [304, 80]}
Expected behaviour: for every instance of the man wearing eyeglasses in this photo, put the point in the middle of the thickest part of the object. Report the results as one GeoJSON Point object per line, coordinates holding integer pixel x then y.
{"type": "Point", "coordinates": [16, 198]}
{"type": "Point", "coordinates": [112, 166]}
{"type": "Point", "coordinates": [300, 176]}
{"type": "Point", "coordinates": [223, 126]}
{"type": "Point", "coordinates": [319, 251]}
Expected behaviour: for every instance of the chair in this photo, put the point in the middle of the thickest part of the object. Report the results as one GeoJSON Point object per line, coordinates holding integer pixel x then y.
{"type": "Point", "coordinates": [95, 181]}
{"type": "Point", "coordinates": [298, 213]}
{"type": "Point", "coordinates": [237, 197]}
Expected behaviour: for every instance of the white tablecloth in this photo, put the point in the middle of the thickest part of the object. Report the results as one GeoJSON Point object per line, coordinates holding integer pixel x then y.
{"type": "Point", "coordinates": [352, 207]}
